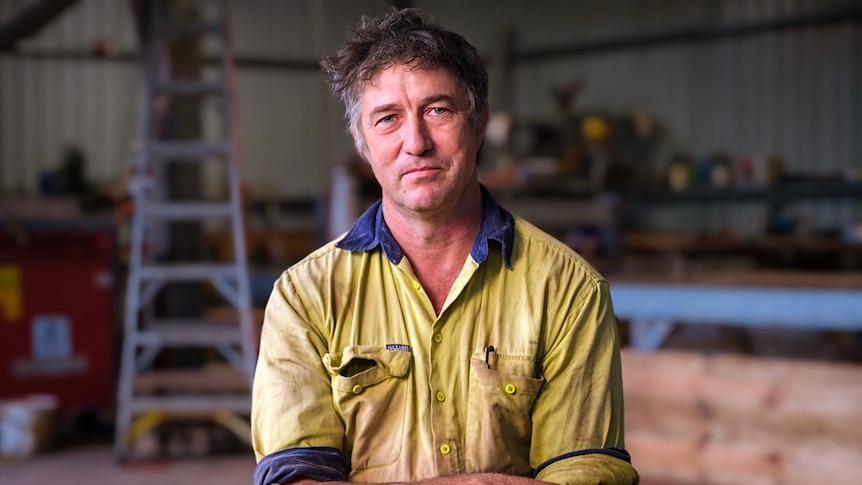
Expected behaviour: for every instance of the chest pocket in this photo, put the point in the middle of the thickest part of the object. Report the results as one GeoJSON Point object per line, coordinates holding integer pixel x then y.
{"type": "Point", "coordinates": [369, 392]}
{"type": "Point", "coordinates": [499, 422]}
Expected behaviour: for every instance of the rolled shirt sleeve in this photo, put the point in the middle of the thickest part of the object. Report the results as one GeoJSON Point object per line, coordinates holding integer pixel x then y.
{"type": "Point", "coordinates": [314, 463]}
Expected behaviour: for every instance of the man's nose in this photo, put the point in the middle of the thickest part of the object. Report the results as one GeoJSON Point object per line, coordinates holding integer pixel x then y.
{"type": "Point", "coordinates": [417, 139]}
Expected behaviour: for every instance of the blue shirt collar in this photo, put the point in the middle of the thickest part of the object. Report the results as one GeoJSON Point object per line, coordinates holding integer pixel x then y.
{"type": "Point", "coordinates": [371, 231]}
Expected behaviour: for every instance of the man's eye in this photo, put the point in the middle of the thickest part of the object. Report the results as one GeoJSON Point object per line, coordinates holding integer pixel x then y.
{"type": "Point", "coordinates": [439, 111]}
{"type": "Point", "coordinates": [387, 119]}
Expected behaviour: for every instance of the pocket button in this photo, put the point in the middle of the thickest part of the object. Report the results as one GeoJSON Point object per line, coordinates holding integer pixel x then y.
{"type": "Point", "coordinates": [510, 389]}
{"type": "Point", "coordinates": [357, 389]}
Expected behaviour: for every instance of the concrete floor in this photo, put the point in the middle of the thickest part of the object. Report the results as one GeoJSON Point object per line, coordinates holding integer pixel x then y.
{"type": "Point", "coordinates": [95, 464]}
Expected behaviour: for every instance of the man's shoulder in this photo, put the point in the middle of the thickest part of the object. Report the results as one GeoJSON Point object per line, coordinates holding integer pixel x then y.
{"type": "Point", "coordinates": [324, 256]}
{"type": "Point", "coordinates": [327, 259]}
{"type": "Point", "coordinates": [535, 247]}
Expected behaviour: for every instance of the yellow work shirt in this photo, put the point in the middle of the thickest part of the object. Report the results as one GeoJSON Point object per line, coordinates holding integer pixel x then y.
{"type": "Point", "coordinates": [519, 373]}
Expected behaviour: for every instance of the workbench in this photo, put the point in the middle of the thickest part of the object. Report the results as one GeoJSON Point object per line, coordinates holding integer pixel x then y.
{"type": "Point", "coordinates": [655, 304]}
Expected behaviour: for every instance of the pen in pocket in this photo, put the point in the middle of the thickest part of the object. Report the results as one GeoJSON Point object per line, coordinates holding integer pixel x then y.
{"type": "Point", "coordinates": [488, 350]}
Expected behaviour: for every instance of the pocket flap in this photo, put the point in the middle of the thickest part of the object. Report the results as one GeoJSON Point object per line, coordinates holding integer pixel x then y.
{"type": "Point", "coordinates": [396, 363]}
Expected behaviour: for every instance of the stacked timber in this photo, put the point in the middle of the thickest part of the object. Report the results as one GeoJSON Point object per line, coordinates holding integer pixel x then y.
{"type": "Point", "coordinates": [723, 419]}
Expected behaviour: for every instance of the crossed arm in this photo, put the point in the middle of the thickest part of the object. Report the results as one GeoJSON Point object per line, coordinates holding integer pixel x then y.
{"type": "Point", "coordinates": [469, 479]}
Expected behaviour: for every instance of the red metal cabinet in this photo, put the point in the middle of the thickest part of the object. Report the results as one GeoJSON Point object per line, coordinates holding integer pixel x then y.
{"type": "Point", "coordinates": [57, 332]}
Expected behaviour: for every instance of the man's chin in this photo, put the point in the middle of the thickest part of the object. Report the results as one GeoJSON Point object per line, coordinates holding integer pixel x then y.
{"type": "Point", "coordinates": [425, 202]}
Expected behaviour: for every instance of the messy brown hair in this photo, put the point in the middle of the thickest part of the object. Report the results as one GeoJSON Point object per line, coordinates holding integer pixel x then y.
{"type": "Point", "coordinates": [407, 36]}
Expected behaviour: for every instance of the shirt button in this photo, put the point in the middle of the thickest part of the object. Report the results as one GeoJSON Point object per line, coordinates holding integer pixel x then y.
{"type": "Point", "coordinates": [416, 286]}
{"type": "Point", "coordinates": [441, 396]}
{"type": "Point", "coordinates": [357, 389]}
{"type": "Point", "coordinates": [438, 338]}
{"type": "Point", "coordinates": [510, 389]}
{"type": "Point", "coordinates": [445, 450]}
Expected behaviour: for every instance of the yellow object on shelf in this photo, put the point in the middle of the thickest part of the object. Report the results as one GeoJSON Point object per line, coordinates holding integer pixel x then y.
{"type": "Point", "coordinates": [595, 128]}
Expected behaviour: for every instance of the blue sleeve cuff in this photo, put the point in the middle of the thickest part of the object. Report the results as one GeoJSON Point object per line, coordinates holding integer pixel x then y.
{"type": "Point", "coordinates": [614, 452]}
{"type": "Point", "coordinates": [322, 464]}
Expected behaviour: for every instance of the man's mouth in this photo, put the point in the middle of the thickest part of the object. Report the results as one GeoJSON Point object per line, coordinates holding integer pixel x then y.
{"type": "Point", "coordinates": [420, 170]}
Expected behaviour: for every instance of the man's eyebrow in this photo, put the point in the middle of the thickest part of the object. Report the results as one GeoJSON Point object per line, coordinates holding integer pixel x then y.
{"type": "Point", "coordinates": [434, 98]}
{"type": "Point", "coordinates": [383, 108]}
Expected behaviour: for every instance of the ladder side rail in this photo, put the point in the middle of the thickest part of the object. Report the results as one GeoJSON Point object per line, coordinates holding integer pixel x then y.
{"type": "Point", "coordinates": [229, 106]}
{"type": "Point", "coordinates": [140, 174]}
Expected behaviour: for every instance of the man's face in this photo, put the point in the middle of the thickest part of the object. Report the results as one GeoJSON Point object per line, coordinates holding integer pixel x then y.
{"type": "Point", "coordinates": [420, 142]}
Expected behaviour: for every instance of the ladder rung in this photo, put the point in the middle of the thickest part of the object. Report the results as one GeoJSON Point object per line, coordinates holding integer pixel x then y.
{"type": "Point", "coordinates": [215, 379]}
{"type": "Point", "coordinates": [189, 210]}
{"type": "Point", "coordinates": [189, 149]}
{"type": "Point", "coordinates": [195, 322]}
{"type": "Point", "coordinates": [188, 28]}
{"type": "Point", "coordinates": [189, 332]}
{"type": "Point", "coordinates": [186, 404]}
{"type": "Point", "coordinates": [188, 88]}
{"type": "Point", "coordinates": [187, 271]}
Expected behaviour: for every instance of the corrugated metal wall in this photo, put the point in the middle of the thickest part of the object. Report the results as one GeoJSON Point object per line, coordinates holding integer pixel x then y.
{"type": "Point", "coordinates": [50, 103]}
{"type": "Point", "coordinates": [793, 92]}
{"type": "Point", "coordinates": [55, 94]}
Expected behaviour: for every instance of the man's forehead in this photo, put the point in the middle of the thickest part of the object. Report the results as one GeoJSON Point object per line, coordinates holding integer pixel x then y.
{"type": "Point", "coordinates": [449, 84]}
{"type": "Point", "coordinates": [409, 67]}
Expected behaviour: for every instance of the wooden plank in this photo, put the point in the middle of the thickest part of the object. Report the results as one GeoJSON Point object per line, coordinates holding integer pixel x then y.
{"type": "Point", "coordinates": [670, 391]}
{"type": "Point", "coordinates": [766, 460]}
{"type": "Point", "coordinates": [729, 419]}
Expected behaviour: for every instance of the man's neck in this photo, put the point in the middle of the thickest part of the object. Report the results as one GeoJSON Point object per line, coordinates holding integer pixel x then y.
{"type": "Point", "coordinates": [437, 246]}
{"type": "Point", "coordinates": [439, 232]}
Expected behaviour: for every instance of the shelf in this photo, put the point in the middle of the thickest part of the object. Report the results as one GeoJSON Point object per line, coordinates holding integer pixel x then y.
{"type": "Point", "coordinates": [780, 192]}
{"type": "Point", "coordinates": [728, 243]}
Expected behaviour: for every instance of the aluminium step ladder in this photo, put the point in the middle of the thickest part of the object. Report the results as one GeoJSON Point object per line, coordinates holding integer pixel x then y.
{"type": "Point", "coordinates": [146, 333]}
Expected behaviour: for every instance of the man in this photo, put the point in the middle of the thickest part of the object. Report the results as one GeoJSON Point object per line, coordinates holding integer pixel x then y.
{"type": "Point", "coordinates": [440, 338]}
